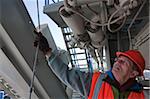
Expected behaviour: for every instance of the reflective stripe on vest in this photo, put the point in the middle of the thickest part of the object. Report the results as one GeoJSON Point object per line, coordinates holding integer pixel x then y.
{"type": "Point", "coordinates": [94, 79]}
{"type": "Point", "coordinates": [98, 86]}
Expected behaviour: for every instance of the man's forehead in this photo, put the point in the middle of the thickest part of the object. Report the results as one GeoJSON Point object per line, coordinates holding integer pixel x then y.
{"type": "Point", "coordinates": [123, 57]}
{"type": "Point", "coordinates": [126, 58]}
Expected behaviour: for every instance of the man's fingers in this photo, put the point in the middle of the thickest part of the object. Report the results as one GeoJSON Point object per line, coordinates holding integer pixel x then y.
{"type": "Point", "coordinates": [38, 33]}
{"type": "Point", "coordinates": [42, 41]}
{"type": "Point", "coordinates": [35, 32]}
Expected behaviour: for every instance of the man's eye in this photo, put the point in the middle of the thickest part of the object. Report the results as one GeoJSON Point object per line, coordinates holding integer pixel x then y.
{"type": "Point", "coordinates": [116, 59]}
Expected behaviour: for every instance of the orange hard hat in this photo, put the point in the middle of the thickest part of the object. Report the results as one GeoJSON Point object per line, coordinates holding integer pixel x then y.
{"type": "Point", "coordinates": [136, 57]}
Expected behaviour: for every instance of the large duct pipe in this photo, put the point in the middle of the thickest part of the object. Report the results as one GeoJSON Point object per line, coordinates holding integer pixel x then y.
{"type": "Point", "coordinates": [97, 38]}
{"type": "Point", "coordinates": [74, 21]}
{"type": "Point", "coordinates": [10, 46]}
{"type": "Point", "coordinates": [83, 2]}
{"type": "Point", "coordinates": [96, 33]}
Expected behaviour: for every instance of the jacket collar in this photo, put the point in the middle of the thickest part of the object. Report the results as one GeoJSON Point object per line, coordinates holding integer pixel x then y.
{"type": "Point", "coordinates": [130, 85]}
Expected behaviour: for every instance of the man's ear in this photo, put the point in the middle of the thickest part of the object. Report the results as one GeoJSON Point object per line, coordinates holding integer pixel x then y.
{"type": "Point", "coordinates": [134, 74]}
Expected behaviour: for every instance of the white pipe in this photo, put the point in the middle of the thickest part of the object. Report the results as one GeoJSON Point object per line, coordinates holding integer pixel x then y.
{"type": "Point", "coordinates": [97, 35]}
{"type": "Point", "coordinates": [10, 46]}
{"type": "Point", "coordinates": [70, 9]}
{"type": "Point", "coordinates": [83, 2]}
{"type": "Point", "coordinates": [122, 2]}
{"type": "Point", "coordinates": [97, 38]}
{"type": "Point", "coordinates": [74, 21]}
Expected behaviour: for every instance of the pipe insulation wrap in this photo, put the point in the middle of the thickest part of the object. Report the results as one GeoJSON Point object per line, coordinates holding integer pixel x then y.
{"type": "Point", "coordinates": [74, 21]}
{"type": "Point", "coordinates": [83, 2]}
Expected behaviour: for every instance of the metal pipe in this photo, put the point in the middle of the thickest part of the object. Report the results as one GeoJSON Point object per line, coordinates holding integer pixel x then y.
{"type": "Point", "coordinates": [82, 2]}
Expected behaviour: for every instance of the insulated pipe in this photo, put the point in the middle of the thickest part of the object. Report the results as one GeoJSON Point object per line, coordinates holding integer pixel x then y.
{"type": "Point", "coordinates": [10, 46]}
{"type": "Point", "coordinates": [96, 34]}
{"type": "Point", "coordinates": [97, 37]}
{"type": "Point", "coordinates": [74, 21]}
{"type": "Point", "coordinates": [82, 2]}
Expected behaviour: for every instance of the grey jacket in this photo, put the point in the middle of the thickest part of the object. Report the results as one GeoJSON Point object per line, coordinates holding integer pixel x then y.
{"type": "Point", "coordinates": [73, 78]}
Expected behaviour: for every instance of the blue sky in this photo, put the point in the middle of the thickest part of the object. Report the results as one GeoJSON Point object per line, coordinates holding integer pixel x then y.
{"type": "Point", "coordinates": [44, 19]}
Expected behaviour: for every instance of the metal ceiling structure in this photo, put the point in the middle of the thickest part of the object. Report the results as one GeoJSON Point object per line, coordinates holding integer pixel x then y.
{"type": "Point", "coordinates": [118, 41]}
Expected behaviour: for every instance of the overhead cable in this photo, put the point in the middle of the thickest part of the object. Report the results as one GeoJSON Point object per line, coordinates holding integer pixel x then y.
{"type": "Point", "coordinates": [36, 55]}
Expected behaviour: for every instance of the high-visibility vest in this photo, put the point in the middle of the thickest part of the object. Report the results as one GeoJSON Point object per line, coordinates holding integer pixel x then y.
{"type": "Point", "coordinates": [105, 91]}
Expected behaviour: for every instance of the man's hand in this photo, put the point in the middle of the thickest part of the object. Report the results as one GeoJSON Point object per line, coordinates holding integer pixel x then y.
{"type": "Point", "coordinates": [43, 43]}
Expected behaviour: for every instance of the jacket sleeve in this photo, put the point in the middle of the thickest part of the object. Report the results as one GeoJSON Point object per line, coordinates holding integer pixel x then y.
{"type": "Point", "coordinates": [70, 77]}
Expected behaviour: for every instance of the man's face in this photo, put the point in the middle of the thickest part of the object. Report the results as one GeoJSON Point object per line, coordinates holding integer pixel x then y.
{"type": "Point", "coordinates": [122, 68]}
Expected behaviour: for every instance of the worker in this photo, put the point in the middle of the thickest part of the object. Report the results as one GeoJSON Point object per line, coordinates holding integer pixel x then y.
{"type": "Point", "coordinates": [117, 83]}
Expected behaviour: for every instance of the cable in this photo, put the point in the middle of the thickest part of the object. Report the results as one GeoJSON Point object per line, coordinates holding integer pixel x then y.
{"type": "Point", "coordinates": [67, 6]}
{"type": "Point", "coordinates": [88, 20]}
{"type": "Point", "coordinates": [36, 56]}
{"type": "Point", "coordinates": [34, 69]}
{"type": "Point", "coordinates": [129, 34]}
{"type": "Point", "coordinates": [109, 21]}
{"type": "Point", "coordinates": [38, 13]}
